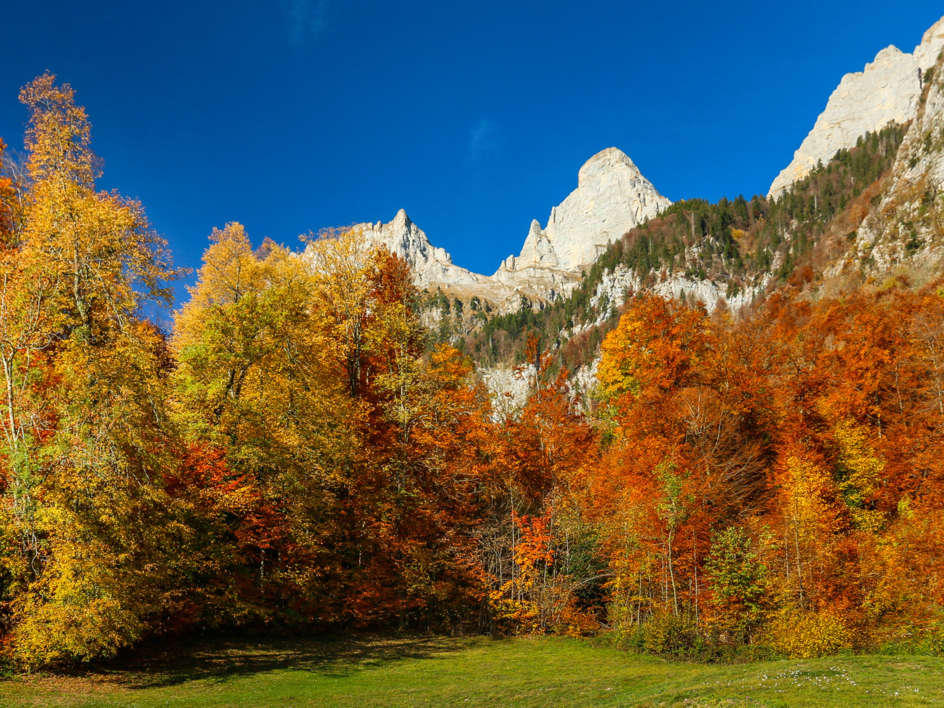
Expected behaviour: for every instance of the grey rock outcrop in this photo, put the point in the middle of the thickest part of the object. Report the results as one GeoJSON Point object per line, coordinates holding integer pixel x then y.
{"type": "Point", "coordinates": [431, 265]}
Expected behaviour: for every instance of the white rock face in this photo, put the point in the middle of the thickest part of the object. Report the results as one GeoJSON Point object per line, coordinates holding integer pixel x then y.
{"type": "Point", "coordinates": [431, 265]}
{"type": "Point", "coordinates": [433, 268]}
{"type": "Point", "coordinates": [617, 284]}
{"type": "Point", "coordinates": [927, 53]}
{"type": "Point", "coordinates": [583, 382]}
{"type": "Point", "coordinates": [509, 387]}
{"type": "Point", "coordinates": [888, 90]}
{"type": "Point", "coordinates": [611, 198]}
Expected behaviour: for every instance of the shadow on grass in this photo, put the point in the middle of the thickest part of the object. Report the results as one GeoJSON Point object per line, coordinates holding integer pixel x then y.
{"type": "Point", "coordinates": [225, 659]}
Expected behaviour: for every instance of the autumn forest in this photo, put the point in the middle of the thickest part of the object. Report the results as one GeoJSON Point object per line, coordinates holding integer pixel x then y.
{"type": "Point", "coordinates": [301, 453]}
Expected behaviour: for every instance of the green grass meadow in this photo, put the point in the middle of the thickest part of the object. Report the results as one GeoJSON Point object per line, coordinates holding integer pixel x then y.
{"type": "Point", "coordinates": [472, 672]}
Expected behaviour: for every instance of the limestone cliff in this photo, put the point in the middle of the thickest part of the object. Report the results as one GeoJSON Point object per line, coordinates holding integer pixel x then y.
{"type": "Point", "coordinates": [887, 90]}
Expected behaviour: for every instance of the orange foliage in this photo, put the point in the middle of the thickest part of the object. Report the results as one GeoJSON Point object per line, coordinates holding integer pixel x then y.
{"type": "Point", "coordinates": [817, 426]}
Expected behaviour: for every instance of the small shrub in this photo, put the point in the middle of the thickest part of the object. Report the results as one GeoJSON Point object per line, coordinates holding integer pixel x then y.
{"type": "Point", "coordinates": [621, 614]}
{"type": "Point", "coordinates": [806, 634]}
{"type": "Point", "coordinates": [670, 635]}
{"type": "Point", "coordinates": [934, 641]}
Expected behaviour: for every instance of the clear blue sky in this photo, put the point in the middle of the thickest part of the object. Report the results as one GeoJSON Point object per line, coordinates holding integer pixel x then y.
{"type": "Point", "coordinates": [293, 115]}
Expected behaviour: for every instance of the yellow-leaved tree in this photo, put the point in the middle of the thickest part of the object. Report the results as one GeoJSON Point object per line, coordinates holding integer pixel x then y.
{"type": "Point", "coordinates": [257, 383]}
{"type": "Point", "coordinates": [82, 411]}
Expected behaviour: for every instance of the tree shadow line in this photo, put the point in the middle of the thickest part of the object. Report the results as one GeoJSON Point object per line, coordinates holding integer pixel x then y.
{"type": "Point", "coordinates": [171, 664]}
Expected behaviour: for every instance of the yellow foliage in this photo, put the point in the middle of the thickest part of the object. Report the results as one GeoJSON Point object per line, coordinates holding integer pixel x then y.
{"type": "Point", "coordinates": [83, 392]}
{"type": "Point", "coordinates": [618, 372]}
{"type": "Point", "coordinates": [862, 470]}
{"type": "Point", "coordinates": [806, 634]}
{"type": "Point", "coordinates": [83, 620]}
{"type": "Point", "coordinates": [806, 508]}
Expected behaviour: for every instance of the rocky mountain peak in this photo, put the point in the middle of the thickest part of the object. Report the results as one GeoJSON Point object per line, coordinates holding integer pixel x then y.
{"type": "Point", "coordinates": [891, 53]}
{"type": "Point", "coordinates": [401, 220]}
{"type": "Point", "coordinates": [431, 265]}
{"type": "Point", "coordinates": [612, 197]}
{"type": "Point", "coordinates": [605, 161]}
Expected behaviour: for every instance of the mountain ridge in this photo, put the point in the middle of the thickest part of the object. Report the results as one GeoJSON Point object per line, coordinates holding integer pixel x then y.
{"type": "Point", "coordinates": [612, 196]}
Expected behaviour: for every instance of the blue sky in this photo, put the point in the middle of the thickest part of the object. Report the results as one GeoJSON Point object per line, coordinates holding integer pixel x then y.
{"type": "Point", "coordinates": [292, 115]}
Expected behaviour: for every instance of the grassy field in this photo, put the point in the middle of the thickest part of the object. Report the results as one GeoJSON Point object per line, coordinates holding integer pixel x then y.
{"type": "Point", "coordinates": [549, 671]}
